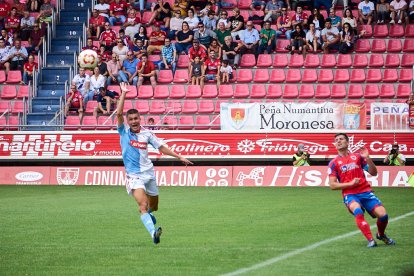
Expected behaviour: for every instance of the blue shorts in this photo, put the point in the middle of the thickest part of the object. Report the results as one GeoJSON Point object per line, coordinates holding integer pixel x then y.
{"type": "Point", "coordinates": [367, 200]}
{"type": "Point", "coordinates": [211, 77]}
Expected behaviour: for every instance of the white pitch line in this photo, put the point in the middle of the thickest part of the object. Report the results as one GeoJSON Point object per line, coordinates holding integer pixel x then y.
{"type": "Point", "coordinates": [304, 249]}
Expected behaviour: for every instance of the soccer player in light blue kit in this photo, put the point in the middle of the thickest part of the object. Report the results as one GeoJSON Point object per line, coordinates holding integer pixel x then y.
{"type": "Point", "coordinates": [141, 182]}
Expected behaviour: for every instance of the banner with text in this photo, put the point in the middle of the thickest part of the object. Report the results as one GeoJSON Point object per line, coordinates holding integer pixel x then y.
{"type": "Point", "coordinates": [390, 116]}
{"type": "Point", "coordinates": [203, 176]}
{"type": "Point", "coordinates": [292, 116]}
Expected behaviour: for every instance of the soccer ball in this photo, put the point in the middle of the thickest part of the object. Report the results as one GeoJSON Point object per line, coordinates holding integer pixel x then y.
{"type": "Point", "coordinates": [88, 59]}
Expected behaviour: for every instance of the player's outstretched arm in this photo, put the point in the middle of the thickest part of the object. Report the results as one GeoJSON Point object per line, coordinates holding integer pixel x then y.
{"type": "Point", "coordinates": [120, 107]}
{"type": "Point", "coordinates": [335, 185]}
{"type": "Point", "coordinates": [165, 150]}
{"type": "Point", "coordinates": [372, 169]}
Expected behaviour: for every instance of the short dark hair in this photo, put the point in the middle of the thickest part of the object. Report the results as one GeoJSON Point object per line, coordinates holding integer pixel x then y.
{"type": "Point", "coordinates": [343, 134]}
{"type": "Point", "coordinates": [131, 112]}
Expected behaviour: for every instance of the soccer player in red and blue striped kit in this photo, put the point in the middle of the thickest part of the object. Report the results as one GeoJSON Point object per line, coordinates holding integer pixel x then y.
{"type": "Point", "coordinates": [346, 173]}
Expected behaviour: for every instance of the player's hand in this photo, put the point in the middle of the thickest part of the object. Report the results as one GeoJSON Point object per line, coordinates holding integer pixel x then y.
{"type": "Point", "coordinates": [186, 161]}
{"type": "Point", "coordinates": [124, 87]}
{"type": "Point", "coordinates": [355, 181]}
{"type": "Point", "coordinates": [364, 152]}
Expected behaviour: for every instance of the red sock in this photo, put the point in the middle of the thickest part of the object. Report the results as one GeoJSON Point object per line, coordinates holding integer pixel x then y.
{"type": "Point", "coordinates": [363, 226]}
{"type": "Point", "coordinates": [382, 224]}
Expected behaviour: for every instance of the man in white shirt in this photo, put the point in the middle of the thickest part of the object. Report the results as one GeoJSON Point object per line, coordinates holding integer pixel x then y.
{"type": "Point", "coordinates": [330, 37]}
{"type": "Point", "coordinates": [82, 82]}
{"type": "Point", "coordinates": [103, 9]}
{"type": "Point", "coordinates": [398, 11]}
{"type": "Point", "coordinates": [366, 11]}
{"type": "Point", "coordinates": [249, 39]}
{"type": "Point", "coordinates": [4, 56]}
{"type": "Point", "coordinates": [410, 12]}
{"type": "Point", "coordinates": [313, 38]}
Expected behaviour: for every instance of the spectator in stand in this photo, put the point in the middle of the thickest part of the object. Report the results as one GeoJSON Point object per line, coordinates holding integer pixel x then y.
{"type": "Point", "coordinates": [5, 8]}
{"type": "Point", "coordinates": [383, 11]}
{"type": "Point", "coordinates": [203, 13]}
{"type": "Point", "coordinates": [97, 81]}
{"type": "Point", "coordinates": [96, 24]}
{"type": "Point", "coordinates": [125, 38]}
{"type": "Point", "coordinates": [349, 18]}
{"type": "Point", "coordinates": [330, 37]}
{"type": "Point", "coordinates": [267, 39]}
{"type": "Point", "coordinates": [156, 39]}
{"type": "Point", "coordinates": [139, 49]}
{"type": "Point", "coordinates": [218, 5]}
{"type": "Point", "coordinates": [214, 46]}
{"type": "Point", "coordinates": [410, 17]}
{"type": "Point", "coordinates": [284, 24]}
{"type": "Point", "coordinates": [398, 11]}
{"type": "Point", "coordinates": [35, 40]}
{"type": "Point", "coordinates": [299, 18]}
{"type": "Point", "coordinates": [5, 36]}
{"type": "Point", "coordinates": [273, 10]}
{"type": "Point", "coordinates": [301, 157]}
{"type": "Point", "coordinates": [90, 46]}
{"type": "Point", "coordinates": [226, 72]}
{"type": "Point", "coordinates": [4, 56]}
{"type": "Point", "coordinates": [146, 71]}
{"type": "Point", "coordinates": [175, 25]}
{"type": "Point", "coordinates": [103, 9]}
{"type": "Point", "coordinates": [169, 56]}
{"type": "Point", "coordinates": [394, 157]}
{"type": "Point", "coordinates": [317, 18]}
{"type": "Point", "coordinates": [336, 21]}
{"type": "Point", "coordinates": [210, 21]}
{"type": "Point", "coordinates": [236, 24]}
{"type": "Point", "coordinates": [211, 68]}
{"type": "Point", "coordinates": [17, 56]}
{"type": "Point", "coordinates": [74, 102]}
{"type": "Point", "coordinates": [45, 12]}
{"type": "Point", "coordinates": [345, 2]}
{"type": "Point", "coordinates": [313, 39]}
{"type": "Point", "coordinates": [223, 19]}
{"type": "Point", "coordinates": [161, 12]}
{"type": "Point", "coordinates": [28, 69]}
{"type": "Point", "coordinates": [142, 35]}
{"type": "Point", "coordinates": [106, 102]}
{"type": "Point", "coordinates": [197, 50]}
{"type": "Point", "coordinates": [221, 33]}
{"type": "Point", "coordinates": [151, 124]}
{"type": "Point", "coordinates": [181, 6]}
{"type": "Point", "coordinates": [196, 69]}
{"type": "Point", "coordinates": [26, 25]}
{"type": "Point", "coordinates": [249, 39]}
{"type": "Point", "coordinates": [103, 69]}
{"type": "Point", "coordinates": [294, 4]}
{"type": "Point", "coordinates": [258, 4]}
{"type": "Point", "coordinates": [183, 39]}
{"type": "Point", "coordinates": [32, 5]}
{"type": "Point", "coordinates": [298, 40]}
{"type": "Point", "coordinates": [366, 12]}
{"type": "Point", "coordinates": [114, 67]}
{"type": "Point", "coordinates": [192, 20]}
{"type": "Point", "coordinates": [121, 50]}
{"type": "Point", "coordinates": [129, 72]}
{"type": "Point", "coordinates": [204, 36]}
{"type": "Point", "coordinates": [231, 51]}
{"type": "Point", "coordinates": [347, 36]}
{"type": "Point", "coordinates": [117, 12]}
{"type": "Point", "coordinates": [12, 22]}
{"type": "Point", "coordinates": [107, 37]}
{"type": "Point", "coordinates": [82, 82]}
{"type": "Point", "coordinates": [104, 54]}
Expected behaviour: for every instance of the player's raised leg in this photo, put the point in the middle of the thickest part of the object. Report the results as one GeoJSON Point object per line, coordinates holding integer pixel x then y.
{"type": "Point", "coordinates": [142, 200]}
{"type": "Point", "coordinates": [360, 221]}
{"type": "Point", "coordinates": [382, 222]}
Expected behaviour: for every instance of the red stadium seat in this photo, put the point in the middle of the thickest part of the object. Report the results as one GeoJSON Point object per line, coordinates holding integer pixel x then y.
{"type": "Point", "coordinates": [409, 30]}
{"type": "Point", "coordinates": [202, 122]}
{"type": "Point", "coordinates": [274, 91]}
{"type": "Point", "coordinates": [368, 30]}
{"type": "Point", "coordinates": [8, 92]}
{"type": "Point", "coordinates": [374, 75]}
{"type": "Point", "coordinates": [217, 106]}
{"type": "Point", "coordinates": [328, 61]}
{"type": "Point", "coordinates": [363, 46]}
{"type": "Point", "coordinates": [2, 76]}
{"type": "Point", "coordinates": [186, 122]}
{"type": "Point", "coordinates": [371, 91]}
{"type": "Point", "coordinates": [290, 91]}
{"type": "Point", "coordinates": [157, 107]}
{"type": "Point", "coordinates": [387, 91]}
{"type": "Point", "coordinates": [210, 91]}
{"type": "Point", "coordinates": [206, 106]}
{"type": "Point", "coordinates": [360, 60]}
{"type": "Point", "coordinates": [408, 45]}
{"type": "Point", "coordinates": [281, 45]}
{"type": "Point", "coordinates": [145, 92]}
{"type": "Point", "coordinates": [89, 123]}
{"type": "Point", "coordinates": [171, 121]}
{"type": "Point", "coordinates": [142, 106]}
{"type": "Point", "coordinates": [306, 91]}
{"type": "Point", "coordinates": [183, 61]}
{"type": "Point", "coordinates": [5, 105]}
{"type": "Point", "coordinates": [325, 75]}
{"type": "Point", "coordinates": [193, 91]}
{"type": "Point", "coordinates": [190, 107]}
{"type": "Point", "coordinates": [258, 91]}
{"type": "Point", "coordinates": [376, 60]}
{"type": "Point", "coordinates": [406, 75]}
{"type": "Point", "coordinates": [396, 30]}
{"type": "Point", "coordinates": [378, 45]}
{"type": "Point", "coordinates": [161, 92]}
{"type": "Point", "coordinates": [323, 91]}
{"type": "Point", "coordinates": [177, 91]}
{"type": "Point", "coordinates": [225, 91]}
{"type": "Point", "coordinates": [180, 76]}
{"type": "Point", "coordinates": [309, 75]}
{"type": "Point", "coordinates": [105, 123]}
{"type": "Point", "coordinates": [293, 75]}
{"type": "Point", "coordinates": [390, 75]}
{"type": "Point", "coordinates": [90, 107]}
{"type": "Point", "coordinates": [341, 75]}
{"type": "Point", "coordinates": [344, 61]}
{"type": "Point", "coordinates": [14, 122]}
{"type": "Point", "coordinates": [127, 105]}
{"type": "Point", "coordinates": [311, 61]}
{"type": "Point", "coordinates": [241, 91]}
{"type": "Point", "coordinates": [380, 31]}
{"type": "Point", "coordinates": [392, 60]}
{"type": "Point", "coordinates": [146, 17]}
{"type": "Point", "coordinates": [403, 91]}
{"type": "Point", "coordinates": [407, 60]}
{"type": "Point", "coordinates": [165, 76]}
{"type": "Point", "coordinates": [245, 15]}
{"type": "Point", "coordinates": [357, 75]}
{"type": "Point", "coordinates": [277, 75]}
{"type": "Point", "coordinates": [264, 60]}
{"type": "Point", "coordinates": [244, 75]}
{"type": "Point", "coordinates": [394, 46]}
{"type": "Point", "coordinates": [261, 75]}
{"type": "Point", "coordinates": [355, 91]}
{"type": "Point", "coordinates": [280, 61]}
{"type": "Point", "coordinates": [244, 4]}
{"type": "Point", "coordinates": [173, 106]}
{"type": "Point", "coordinates": [71, 123]}
{"type": "Point", "coordinates": [23, 91]}
{"type": "Point", "coordinates": [338, 91]}
{"type": "Point", "coordinates": [18, 107]}
{"type": "Point", "coordinates": [14, 77]}
{"type": "Point", "coordinates": [296, 61]}
{"type": "Point", "coordinates": [248, 60]}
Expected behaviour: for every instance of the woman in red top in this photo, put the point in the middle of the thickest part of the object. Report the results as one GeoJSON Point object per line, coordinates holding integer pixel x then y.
{"type": "Point", "coordinates": [28, 69]}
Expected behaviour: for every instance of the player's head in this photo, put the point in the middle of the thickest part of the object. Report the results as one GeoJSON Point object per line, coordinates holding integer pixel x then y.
{"type": "Point", "coordinates": [341, 141]}
{"type": "Point", "coordinates": [133, 120]}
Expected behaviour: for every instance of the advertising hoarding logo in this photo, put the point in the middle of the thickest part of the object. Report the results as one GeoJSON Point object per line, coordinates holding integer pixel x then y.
{"type": "Point", "coordinates": [238, 116]}
{"type": "Point", "coordinates": [256, 175]}
{"type": "Point", "coordinates": [67, 176]}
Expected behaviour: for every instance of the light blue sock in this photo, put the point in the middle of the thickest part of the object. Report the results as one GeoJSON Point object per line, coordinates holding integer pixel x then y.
{"type": "Point", "coordinates": [147, 221]}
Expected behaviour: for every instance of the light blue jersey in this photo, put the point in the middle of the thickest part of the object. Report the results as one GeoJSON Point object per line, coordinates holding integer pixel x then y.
{"type": "Point", "coordinates": [135, 150]}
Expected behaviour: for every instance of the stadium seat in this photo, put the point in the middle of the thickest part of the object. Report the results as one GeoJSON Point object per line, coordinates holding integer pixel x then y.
{"type": "Point", "coordinates": [258, 91]}
{"type": "Point", "coordinates": [296, 61]}
{"type": "Point", "coordinates": [363, 46]}
{"type": "Point", "coordinates": [309, 75]}
{"type": "Point", "coordinates": [13, 122]}
{"type": "Point", "coordinates": [244, 4]}
{"type": "Point", "coordinates": [277, 75]}
{"type": "Point", "coordinates": [368, 30]}
{"type": "Point", "coordinates": [145, 92]}
{"type": "Point", "coordinates": [210, 91]}
{"type": "Point", "coordinates": [217, 106]}
{"type": "Point", "coordinates": [357, 75]}
{"type": "Point", "coordinates": [177, 91]}
{"type": "Point", "coordinates": [323, 91]}
{"type": "Point", "coordinates": [18, 107]}
{"type": "Point", "coordinates": [14, 76]}
{"type": "Point", "coordinates": [371, 91]}
{"type": "Point", "coordinates": [215, 122]}
{"type": "Point", "coordinates": [344, 61]}
{"type": "Point", "coordinates": [88, 123]}
{"type": "Point", "coordinates": [8, 92]}
{"type": "Point", "coordinates": [5, 106]}
{"type": "Point", "coordinates": [105, 123]}
{"type": "Point", "coordinates": [90, 107]}
{"type": "Point", "coordinates": [396, 30]}
{"type": "Point", "coordinates": [3, 123]}
{"type": "Point", "coordinates": [183, 61]}
{"type": "Point", "coordinates": [127, 105]}
{"type": "Point", "coordinates": [307, 91]}
{"type": "Point", "coordinates": [290, 91]}
{"type": "Point", "coordinates": [406, 75]}
{"type": "Point", "coordinates": [281, 45]}
{"type": "Point", "coordinates": [241, 91]}
{"type": "Point", "coordinates": [142, 106]}
{"type": "Point", "coordinates": [341, 75]}
{"type": "Point", "coordinates": [378, 45]}
{"type": "Point", "coordinates": [355, 91]}
{"type": "Point", "coordinates": [408, 45]}
{"type": "Point", "coordinates": [190, 107]}
{"type": "Point", "coordinates": [376, 60]}
{"type": "Point", "coordinates": [392, 60]}
{"type": "Point", "coordinates": [202, 122]}
{"type": "Point", "coordinates": [409, 30]}
{"type": "Point", "coordinates": [146, 16]}
{"type": "Point", "coordinates": [165, 76]}
{"type": "Point", "coordinates": [293, 75]}
{"type": "Point", "coordinates": [193, 91]}
{"type": "Point", "coordinates": [264, 60]}
{"type": "Point", "coordinates": [360, 60]}
{"type": "Point", "coordinates": [2, 76]}
{"type": "Point", "coordinates": [374, 75]}
{"type": "Point", "coordinates": [23, 91]}
{"type": "Point", "coordinates": [161, 92]}
{"type": "Point", "coordinates": [245, 14]}
{"type": "Point", "coordinates": [338, 91]}
{"type": "Point", "coordinates": [71, 123]}
{"type": "Point", "coordinates": [261, 75]}
{"type": "Point", "coordinates": [206, 106]}
{"type": "Point", "coordinates": [328, 61]}
{"type": "Point", "coordinates": [186, 122]}
{"type": "Point", "coordinates": [325, 75]}
{"type": "Point", "coordinates": [407, 60]}
{"type": "Point", "coordinates": [403, 90]}
{"type": "Point", "coordinates": [157, 107]}
{"type": "Point", "coordinates": [173, 106]}
{"type": "Point", "coordinates": [394, 46]}
{"type": "Point", "coordinates": [274, 91]}
{"type": "Point", "coordinates": [390, 75]}
{"type": "Point", "coordinates": [380, 31]}
{"type": "Point", "coordinates": [244, 75]}
{"type": "Point", "coordinates": [171, 121]}
{"type": "Point", "coordinates": [181, 76]}
{"type": "Point", "coordinates": [225, 91]}
{"type": "Point", "coordinates": [311, 61]}
{"type": "Point", "coordinates": [248, 60]}
{"type": "Point", "coordinates": [387, 91]}
{"type": "Point", "coordinates": [280, 61]}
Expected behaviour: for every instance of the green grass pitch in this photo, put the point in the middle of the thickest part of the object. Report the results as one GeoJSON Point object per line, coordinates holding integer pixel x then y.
{"type": "Point", "coordinates": [207, 231]}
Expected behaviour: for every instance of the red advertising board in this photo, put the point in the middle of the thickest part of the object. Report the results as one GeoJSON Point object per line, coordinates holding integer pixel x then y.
{"type": "Point", "coordinates": [236, 176]}
{"type": "Point", "coordinates": [213, 145]}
